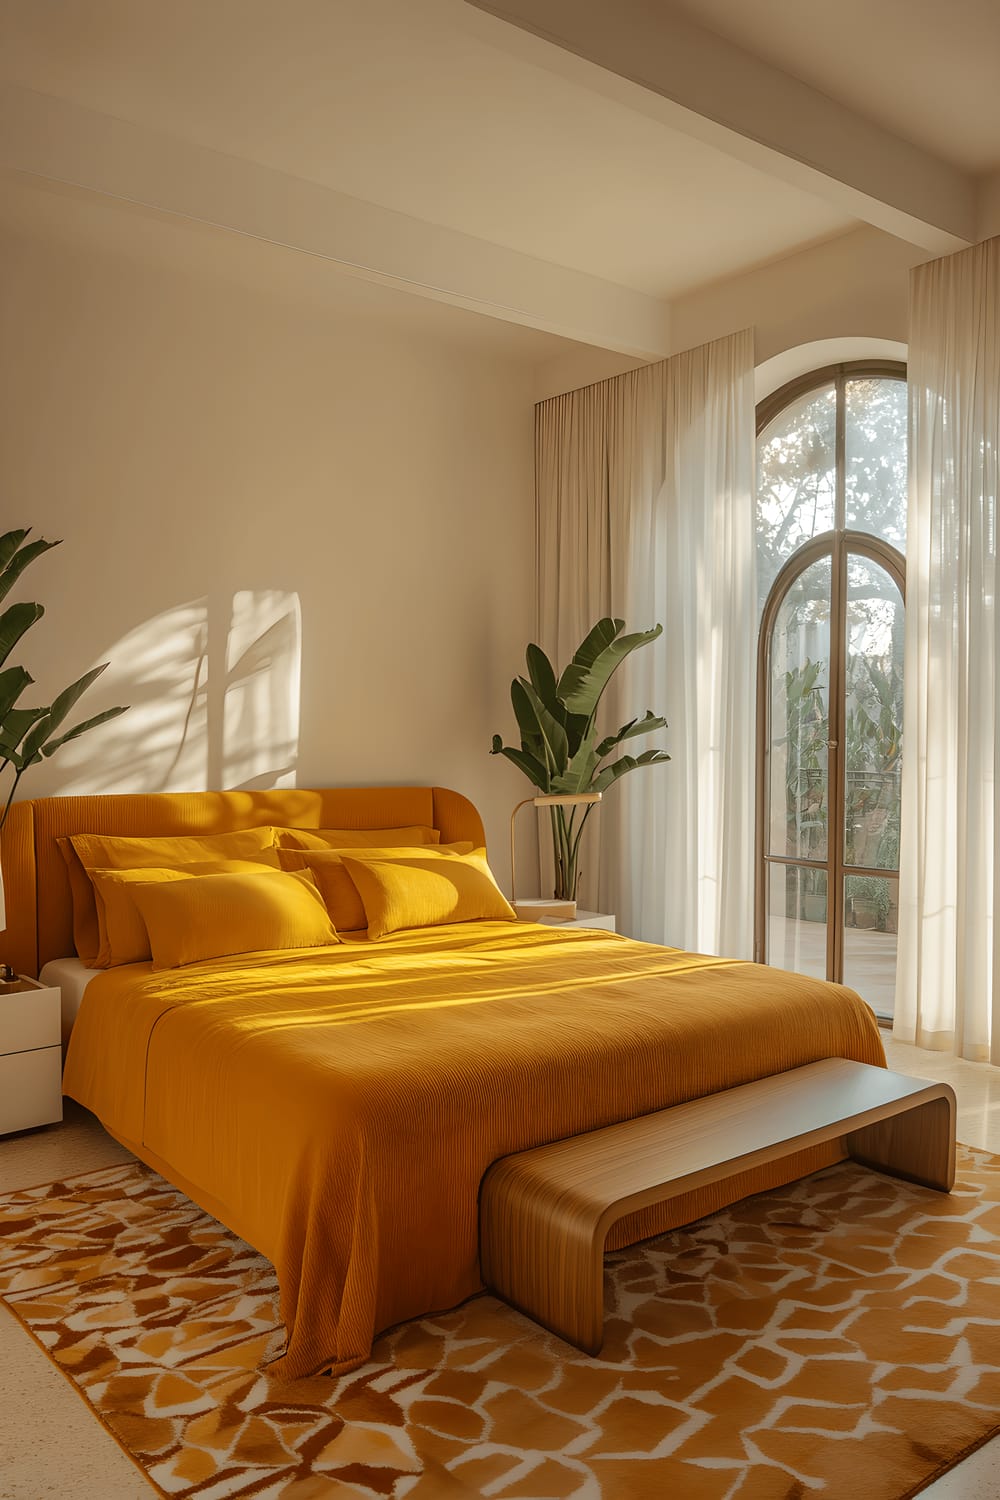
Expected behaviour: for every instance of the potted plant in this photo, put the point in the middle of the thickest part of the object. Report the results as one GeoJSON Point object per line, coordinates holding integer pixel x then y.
{"type": "Point", "coordinates": [561, 750]}
{"type": "Point", "coordinates": [27, 735]}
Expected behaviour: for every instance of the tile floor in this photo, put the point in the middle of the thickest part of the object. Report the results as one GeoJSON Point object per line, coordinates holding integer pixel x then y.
{"type": "Point", "coordinates": [869, 957]}
{"type": "Point", "coordinates": [50, 1445]}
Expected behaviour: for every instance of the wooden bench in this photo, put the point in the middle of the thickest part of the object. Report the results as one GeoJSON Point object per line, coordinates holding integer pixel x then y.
{"type": "Point", "coordinates": [545, 1213]}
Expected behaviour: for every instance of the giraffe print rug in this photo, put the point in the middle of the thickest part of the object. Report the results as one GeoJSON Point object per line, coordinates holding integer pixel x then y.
{"type": "Point", "coordinates": [837, 1338]}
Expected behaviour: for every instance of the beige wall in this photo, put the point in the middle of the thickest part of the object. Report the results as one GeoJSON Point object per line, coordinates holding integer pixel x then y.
{"type": "Point", "coordinates": [221, 455]}
{"type": "Point", "coordinates": [855, 286]}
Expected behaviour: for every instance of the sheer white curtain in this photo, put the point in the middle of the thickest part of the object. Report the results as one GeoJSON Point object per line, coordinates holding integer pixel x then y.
{"type": "Point", "coordinates": [947, 990]}
{"type": "Point", "coordinates": [645, 511]}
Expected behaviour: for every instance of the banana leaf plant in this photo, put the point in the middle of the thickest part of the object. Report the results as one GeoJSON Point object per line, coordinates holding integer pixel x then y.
{"type": "Point", "coordinates": [561, 749]}
{"type": "Point", "coordinates": [29, 735]}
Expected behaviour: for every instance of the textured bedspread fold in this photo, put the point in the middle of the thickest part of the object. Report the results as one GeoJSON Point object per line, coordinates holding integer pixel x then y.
{"type": "Point", "coordinates": [338, 1108]}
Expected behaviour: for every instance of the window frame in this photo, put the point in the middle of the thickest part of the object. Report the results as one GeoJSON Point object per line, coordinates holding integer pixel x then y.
{"type": "Point", "coordinates": [836, 544]}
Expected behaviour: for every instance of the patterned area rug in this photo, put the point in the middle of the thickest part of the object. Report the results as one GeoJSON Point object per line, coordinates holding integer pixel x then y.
{"type": "Point", "coordinates": [837, 1338]}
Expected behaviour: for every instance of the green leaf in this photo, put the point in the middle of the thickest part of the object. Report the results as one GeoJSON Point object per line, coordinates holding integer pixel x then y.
{"type": "Point", "coordinates": [542, 675]}
{"type": "Point", "coordinates": [51, 746]}
{"type": "Point", "coordinates": [38, 737]}
{"type": "Point", "coordinates": [620, 768]}
{"type": "Point", "coordinates": [536, 773]}
{"type": "Point", "coordinates": [11, 572]}
{"type": "Point", "coordinates": [13, 624]}
{"type": "Point", "coordinates": [31, 749]}
{"type": "Point", "coordinates": [586, 677]}
{"type": "Point", "coordinates": [68, 698]}
{"type": "Point", "coordinates": [13, 682]}
{"type": "Point", "coordinates": [527, 719]}
{"type": "Point", "coordinates": [554, 741]}
{"type": "Point", "coordinates": [597, 641]}
{"type": "Point", "coordinates": [543, 680]}
{"type": "Point", "coordinates": [15, 726]}
{"type": "Point", "coordinates": [630, 731]}
{"type": "Point", "coordinates": [579, 773]}
{"type": "Point", "coordinates": [9, 543]}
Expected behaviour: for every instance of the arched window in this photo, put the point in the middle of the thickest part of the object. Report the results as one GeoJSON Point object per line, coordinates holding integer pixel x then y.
{"type": "Point", "coordinates": [831, 530]}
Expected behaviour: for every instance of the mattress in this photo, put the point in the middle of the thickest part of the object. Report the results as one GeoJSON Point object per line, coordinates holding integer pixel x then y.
{"type": "Point", "coordinates": [72, 977]}
{"type": "Point", "coordinates": [337, 1108]}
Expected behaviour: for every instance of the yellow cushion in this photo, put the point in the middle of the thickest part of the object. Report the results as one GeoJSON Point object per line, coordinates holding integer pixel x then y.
{"type": "Point", "coordinates": [219, 915]}
{"type": "Point", "coordinates": [343, 901]}
{"type": "Point", "coordinates": [425, 889]}
{"type": "Point", "coordinates": [97, 851]}
{"type": "Point", "coordinates": [123, 935]}
{"type": "Point", "coordinates": [357, 838]}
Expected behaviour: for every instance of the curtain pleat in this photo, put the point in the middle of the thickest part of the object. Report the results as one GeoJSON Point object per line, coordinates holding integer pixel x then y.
{"type": "Point", "coordinates": [947, 994]}
{"type": "Point", "coordinates": [645, 511]}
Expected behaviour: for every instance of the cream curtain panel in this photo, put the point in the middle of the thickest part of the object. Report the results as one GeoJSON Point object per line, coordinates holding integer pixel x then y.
{"type": "Point", "coordinates": [948, 975]}
{"type": "Point", "coordinates": [646, 511]}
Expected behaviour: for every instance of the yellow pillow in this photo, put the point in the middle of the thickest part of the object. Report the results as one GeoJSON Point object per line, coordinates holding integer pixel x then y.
{"type": "Point", "coordinates": [219, 915]}
{"type": "Point", "coordinates": [356, 838]}
{"type": "Point", "coordinates": [425, 889]}
{"type": "Point", "coordinates": [98, 851]}
{"type": "Point", "coordinates": [123, 935]}
{"type": "Point", "coordinates": [347, 911]}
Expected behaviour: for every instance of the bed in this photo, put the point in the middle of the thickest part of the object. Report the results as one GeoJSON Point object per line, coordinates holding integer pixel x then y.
{"type": "Point", "coordinates": [338, 1107]}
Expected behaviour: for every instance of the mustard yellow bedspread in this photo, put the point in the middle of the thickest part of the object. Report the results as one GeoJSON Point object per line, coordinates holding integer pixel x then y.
{"type": "Point", "coordinates": [338, 1107]}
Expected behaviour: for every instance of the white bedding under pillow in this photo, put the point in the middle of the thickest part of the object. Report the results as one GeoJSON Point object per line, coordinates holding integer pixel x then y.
{"type": "Point", "coordinates": [72, 977]}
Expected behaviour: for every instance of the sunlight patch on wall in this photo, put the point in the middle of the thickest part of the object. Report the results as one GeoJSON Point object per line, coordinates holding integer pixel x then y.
{"type": "Point", "coordinates": [214, 694]}
{"type": "Point", "coordinates": [260, 717]}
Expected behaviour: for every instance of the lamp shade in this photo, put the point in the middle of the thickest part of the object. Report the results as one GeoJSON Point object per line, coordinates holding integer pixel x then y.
{"type": "Point", "coordinates": [565, 799]}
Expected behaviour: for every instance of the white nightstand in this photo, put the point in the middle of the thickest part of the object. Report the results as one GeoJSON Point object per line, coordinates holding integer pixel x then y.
{"type": "Point", "coordinates": [30, 1058]}
{"type": "Point", "coordinates": [583, 919]}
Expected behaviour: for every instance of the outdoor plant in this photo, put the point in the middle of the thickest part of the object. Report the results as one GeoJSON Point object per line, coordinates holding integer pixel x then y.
{"type": "Point", "coordinates": [868, 900]}
{"type": "Point", "coordinates": [872, 746]}
{"type": "Point", "coordinates": [806, 758]}
{"type": "Point", "coordinates": [28, 735]}
{"type": "Point", "coordinates": [805, 742]}
{"type": "Point", "coordinates": [561, 749]}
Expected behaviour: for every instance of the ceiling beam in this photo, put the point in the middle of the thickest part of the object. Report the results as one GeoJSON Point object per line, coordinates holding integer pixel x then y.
{"type": "Point", "coordinates": [989, 205]}
{"type": "Point", "coordinates": [661, 64]}
{"type": "Point", "coordinates": [58, 141]}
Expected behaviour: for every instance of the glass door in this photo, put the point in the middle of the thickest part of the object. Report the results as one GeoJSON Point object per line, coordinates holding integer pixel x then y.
{"type": "Point", "coordinates": [799, 774]}
{"type": "Point", "coordinates": [832, 766]}
{"type": "Point", "coordinates": [873, 744]}
{"type": "Point", "coordinates": [831, 523]}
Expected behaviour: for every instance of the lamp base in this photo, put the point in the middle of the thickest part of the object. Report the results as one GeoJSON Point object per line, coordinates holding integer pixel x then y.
{"type": "Point", "coordinates": [530, 911]}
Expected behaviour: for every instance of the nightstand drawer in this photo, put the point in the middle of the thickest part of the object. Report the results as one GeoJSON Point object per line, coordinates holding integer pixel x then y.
{"type": "Point", "coordinates": [29, 1019]}
{"type": "Point", "coordinates": [30, 1089]}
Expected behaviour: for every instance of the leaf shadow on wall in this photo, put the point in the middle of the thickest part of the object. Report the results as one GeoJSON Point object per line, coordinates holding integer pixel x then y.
{"type": "Point", "coordinates": [214, 688]}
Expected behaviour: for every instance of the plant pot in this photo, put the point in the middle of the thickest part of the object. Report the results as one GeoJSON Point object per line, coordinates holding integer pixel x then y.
{"type": "Point", "coordinates": [864, 914]}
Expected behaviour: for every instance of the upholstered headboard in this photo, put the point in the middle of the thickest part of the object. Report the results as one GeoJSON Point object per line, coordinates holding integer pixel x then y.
{"type": "Point", "coordinates": [36, 886]}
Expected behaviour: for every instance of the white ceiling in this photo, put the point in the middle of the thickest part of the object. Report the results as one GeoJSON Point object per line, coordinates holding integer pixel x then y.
{"type": "Point", "coordinates": [403, 103]}
{"type": "Point", "coordinates": [928, 70]}
{"type": "Point", "coordinates": [573, 167]}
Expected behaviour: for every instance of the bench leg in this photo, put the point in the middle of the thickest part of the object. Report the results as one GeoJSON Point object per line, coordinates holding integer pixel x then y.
{"type": "Point", "coordinates": [918, 1144]}
{"type": "Point", "coordinates": [549, 1266]}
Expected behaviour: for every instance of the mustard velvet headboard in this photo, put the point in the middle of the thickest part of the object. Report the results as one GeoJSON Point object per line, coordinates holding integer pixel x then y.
{"type": "Point", "coordinates": [36, 886]}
